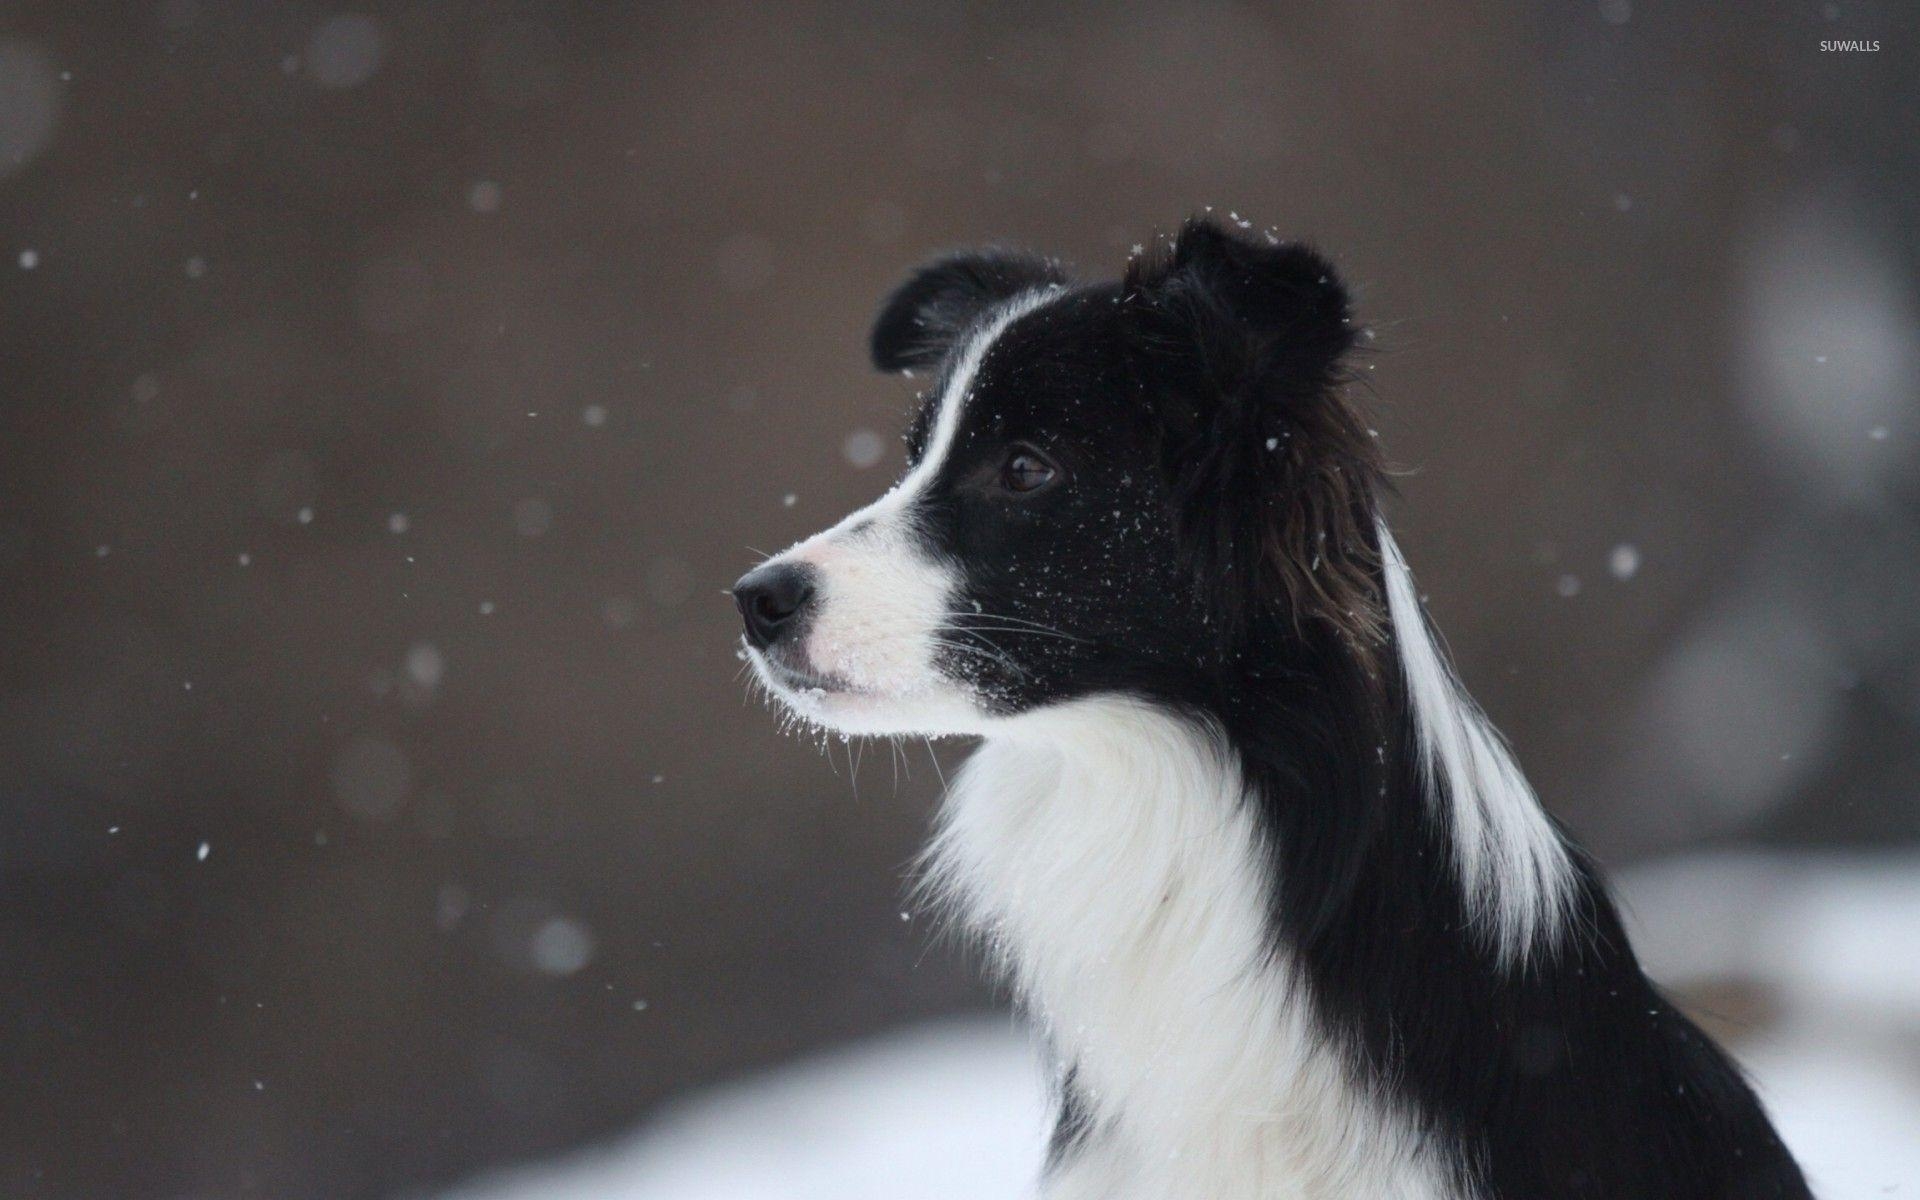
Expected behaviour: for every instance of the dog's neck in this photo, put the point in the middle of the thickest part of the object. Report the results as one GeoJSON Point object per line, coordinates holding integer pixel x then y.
{"type": "Point", "coordinates": [1229, 914]}
{"type": "Point", "coordinates": [1109, 854]}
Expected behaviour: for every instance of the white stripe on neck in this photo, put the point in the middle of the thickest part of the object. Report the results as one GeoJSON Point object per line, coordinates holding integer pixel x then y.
{"type": "Point", "coordinates": [1513, 865]}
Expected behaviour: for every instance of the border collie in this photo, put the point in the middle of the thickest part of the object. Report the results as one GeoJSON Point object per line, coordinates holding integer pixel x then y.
{"type": "Point", "coordinates": [1290, 915]}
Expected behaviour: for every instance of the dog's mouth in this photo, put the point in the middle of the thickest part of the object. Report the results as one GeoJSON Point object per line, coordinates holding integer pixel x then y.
{"type": "Point", "coordinates": [831, 700]}
{"type": "Point", "coordinates": [802, 678]}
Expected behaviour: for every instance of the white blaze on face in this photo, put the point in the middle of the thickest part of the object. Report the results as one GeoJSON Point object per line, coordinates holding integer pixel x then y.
{"type": "Point", "coordinates": [883, 597]}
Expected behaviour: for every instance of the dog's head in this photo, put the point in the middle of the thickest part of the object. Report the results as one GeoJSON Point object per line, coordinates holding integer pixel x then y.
{"type": "Point", "coordinates": [1111, 488]}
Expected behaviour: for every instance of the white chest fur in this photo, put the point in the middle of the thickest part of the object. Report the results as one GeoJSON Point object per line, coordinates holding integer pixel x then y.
{"type": "Point", "coordinates": [1105, 852]}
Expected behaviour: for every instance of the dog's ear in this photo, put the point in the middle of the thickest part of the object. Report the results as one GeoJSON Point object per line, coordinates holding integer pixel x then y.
{"type": "Point", "coordinates": [924, 316]}
{"type": "Point", "coordinates": [1243, 340]}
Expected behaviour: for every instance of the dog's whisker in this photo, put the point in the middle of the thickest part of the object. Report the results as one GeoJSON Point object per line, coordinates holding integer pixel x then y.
{"type": "Point", "coordinates": [984, 614]}
{"type": "Point", "coordinates": [955, 620]}
{"type": "Point", "coordinates": [1011, 629]}
{"type": "Point", "coordinates": [935, 759]}
{"type": "Point", "coordinates": [990, 652]}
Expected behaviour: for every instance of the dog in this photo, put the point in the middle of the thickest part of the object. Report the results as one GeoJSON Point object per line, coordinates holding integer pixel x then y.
{"type": "Point", "coordinates": [1289, 914]}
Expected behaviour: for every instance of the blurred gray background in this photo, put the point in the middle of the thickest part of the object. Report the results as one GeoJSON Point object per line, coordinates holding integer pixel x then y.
{"type": "Point", "coordinates": [387, 393]}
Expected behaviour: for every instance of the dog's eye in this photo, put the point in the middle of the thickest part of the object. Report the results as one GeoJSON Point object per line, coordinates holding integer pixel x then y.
{"type": "Point", "coordinates": [1026, 471]}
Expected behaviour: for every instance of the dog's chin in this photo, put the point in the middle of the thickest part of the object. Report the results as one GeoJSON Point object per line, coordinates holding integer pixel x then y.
{"type": "Point", "coordinates": [829, 702]}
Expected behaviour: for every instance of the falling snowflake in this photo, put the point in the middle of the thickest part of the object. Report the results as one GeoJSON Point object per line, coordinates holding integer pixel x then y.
{"type": "Point", "coordinates": [1624, 562]}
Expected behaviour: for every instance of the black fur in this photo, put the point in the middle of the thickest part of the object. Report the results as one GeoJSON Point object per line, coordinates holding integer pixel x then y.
{"type": "Point", "coordinates": [1073, 1123]}
{"type": "Point", "coordinates": [1209, 545]}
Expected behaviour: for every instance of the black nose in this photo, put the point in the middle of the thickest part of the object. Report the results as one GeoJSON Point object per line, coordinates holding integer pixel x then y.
{"type": "Point", "coordinates": [771, 599]}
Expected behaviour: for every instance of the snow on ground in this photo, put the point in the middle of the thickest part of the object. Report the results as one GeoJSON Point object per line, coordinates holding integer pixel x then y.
{"type": "Point", "coordinates": [1850, 1114]}
{"type": "Point", "coordinates": [956, 1110]}
{"type": "Point", "coordinates": [1834, 944]}
{"type": "Point", "coordinates": [951, 1110]}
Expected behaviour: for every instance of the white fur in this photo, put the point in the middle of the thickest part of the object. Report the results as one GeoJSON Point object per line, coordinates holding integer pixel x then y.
{"type": "Point", "coordinates": [883, 599]}
{"type": "Point", "coordinates": [1105, 849]}
{"type": "Point", "coordinates": [1512, 862]}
